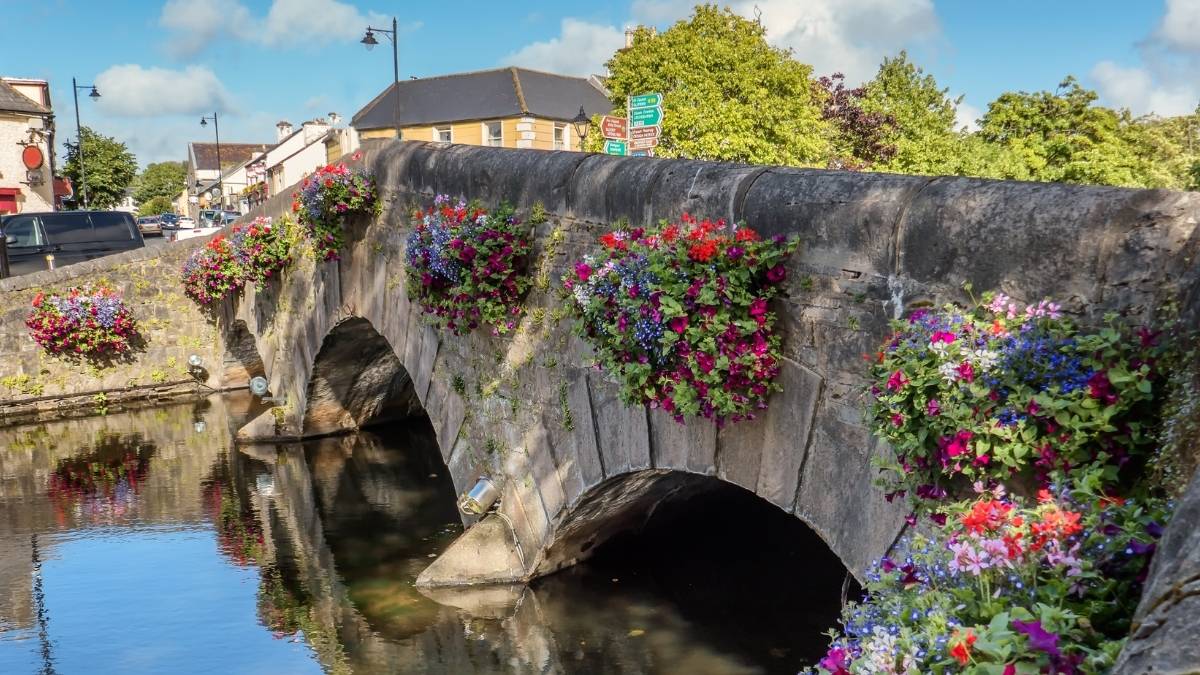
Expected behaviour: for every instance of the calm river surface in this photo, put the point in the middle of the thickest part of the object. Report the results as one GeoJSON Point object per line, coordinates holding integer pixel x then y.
{"type": "Point", "coordinates": [144, 542]}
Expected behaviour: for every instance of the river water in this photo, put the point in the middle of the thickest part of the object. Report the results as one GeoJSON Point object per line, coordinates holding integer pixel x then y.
{"type": "Point", "coordinates": [145, 542]}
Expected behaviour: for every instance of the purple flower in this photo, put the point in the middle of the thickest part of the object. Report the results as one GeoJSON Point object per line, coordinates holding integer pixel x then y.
{"type": "Point", "coordinates": [776, 274]}
{"type": "Point", "coordinates": [1039, 638]}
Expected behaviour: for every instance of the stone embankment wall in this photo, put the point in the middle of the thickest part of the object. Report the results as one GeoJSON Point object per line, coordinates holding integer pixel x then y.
{"type": "Point", "coordinates": [574, 464]}
{"type": "Point", "coordinates": [171, 327]}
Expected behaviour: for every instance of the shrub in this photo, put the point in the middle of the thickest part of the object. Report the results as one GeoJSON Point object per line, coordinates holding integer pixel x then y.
{"type": "Point", "coordinates": [467, 267]}
{"type": "Point", "coordinates": [1004, 394]}
{"type": "Point", "coordinates": [1005, 587]}
{"type": "Point", "coordinates": [89, 321]}
{"type": "Point", "coordinates": [213, 272]}
{"type": "Point", "coordinates": [679, 315]}
{"type": "Point", "coordinates": [326, 198]}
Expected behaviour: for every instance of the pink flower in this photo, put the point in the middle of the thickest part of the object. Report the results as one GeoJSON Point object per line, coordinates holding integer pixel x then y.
{"type": "Point", "coordinates": [942, 336]}
{"type": "Point", "coordinates": [966, 371]}
{"type": "Point", "coordinates": [933, 408]}
{"type": "Point", "coordinates": [897, 419]}
{"type": "Point", "coordinates": [583, 271]}
{"type": "Point", "coordinates": [758, 310]}
{"type": "Point", "coordinates": [705, 361]}
{"type": "Point", "coordinates": [776, 274]}
{"type": "Point", "coordinates": [679, 324]}
{"type": "Point", "coordinates": [897, 381]}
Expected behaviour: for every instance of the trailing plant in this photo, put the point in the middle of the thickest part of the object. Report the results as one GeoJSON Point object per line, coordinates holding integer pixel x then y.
{"type": "Point", "coordinates": [468, 267]}
{"type": "Point", "coordinates": [89, 321]}
{"type": "Point", "coordinates": [1005, 586]}
{"type": "Point", "coordinates": [326, 198]}
{"type": "Point", "coordinates": [679, 315]}
{"type": "Point", "coordinates": [214, 271]}
{"type": "Point", "coordinates": [263, 247]}
{"type": "Point", "coordinates": [1002, 393]}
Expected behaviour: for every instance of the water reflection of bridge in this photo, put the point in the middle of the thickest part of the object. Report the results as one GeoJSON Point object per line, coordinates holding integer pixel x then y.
{"type": "Point", "coordinates": [315, 504]}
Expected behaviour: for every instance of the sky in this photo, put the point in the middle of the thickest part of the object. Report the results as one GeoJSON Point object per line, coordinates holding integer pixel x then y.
{"type": "Point", "coordinates": [161, 64]}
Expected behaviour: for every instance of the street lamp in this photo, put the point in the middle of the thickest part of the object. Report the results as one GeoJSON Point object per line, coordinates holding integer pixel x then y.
{"type": "Point", "coordinates": [217, 129]}
{"type": "Point", "coordinates": [75, 87]}
{"type": "Point", "coordinates": [369, 41]}
{"type": "Point", "coordinates": [581, 123]}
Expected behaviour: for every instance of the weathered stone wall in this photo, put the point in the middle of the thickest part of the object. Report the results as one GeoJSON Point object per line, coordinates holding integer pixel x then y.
{"type": "Point", "coordinates": [171, 327]}
{"type": "Point", "coordinates": [528, 411]}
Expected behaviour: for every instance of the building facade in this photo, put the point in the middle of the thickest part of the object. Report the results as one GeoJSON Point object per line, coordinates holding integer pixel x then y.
{"type": "Point", "coordinates": [26, 146]}
{"type": "Point", "coordinates": [507, 107]}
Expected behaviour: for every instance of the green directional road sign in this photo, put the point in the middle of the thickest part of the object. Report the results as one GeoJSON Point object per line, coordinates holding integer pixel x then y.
{"type": "Point", "coordinates": [612, 147]}
{"type": "Point", "coordinates": [645, 117]}
{"type": "Point", "coordinates": [645, 100]}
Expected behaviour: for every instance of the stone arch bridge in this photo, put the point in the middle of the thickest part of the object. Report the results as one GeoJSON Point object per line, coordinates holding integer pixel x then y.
{"type": "Point", "coordinates": [342, 347]}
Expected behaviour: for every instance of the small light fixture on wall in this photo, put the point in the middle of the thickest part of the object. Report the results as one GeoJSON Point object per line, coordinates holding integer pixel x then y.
{"type": "Point", "coordinates": [480, 498]}
{"type": "Point", "coordinates": [259, 387]}
{"type": "Point", "coordinates": [195, 365]}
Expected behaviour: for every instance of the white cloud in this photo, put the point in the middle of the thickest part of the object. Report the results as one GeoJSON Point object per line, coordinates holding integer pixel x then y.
{"type": "Point", "coordinates": [130, 90]}
{"type": "Point", "coordinates": [195, 24]}
{"type": "Point", "coordinates": [967, 115]}
{"type": "Point", "coordinates": [1180, 27]}
{"type": "Point", "coordinates": [1140, 90]}
{"type": "Point", "coordinates": [1166, 80]}
{"type": "Point", "coordinates": [581, 48]}
{"type": "Point", "coordinates": [846, 36]}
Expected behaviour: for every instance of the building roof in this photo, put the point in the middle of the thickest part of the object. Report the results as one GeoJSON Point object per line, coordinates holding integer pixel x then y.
{"type": "Point", "coordinates": [481, 95]}
{"type": "Point", "coordinates": [204, 155]}
{"type": "Point", "coordinates": [12, 100]}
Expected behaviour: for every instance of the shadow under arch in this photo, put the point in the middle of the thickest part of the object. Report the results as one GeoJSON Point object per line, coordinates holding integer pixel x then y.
{"type": "Point", "coordinates": [357, 380]}
{"type": "Point", "coordinates": [717, 551]}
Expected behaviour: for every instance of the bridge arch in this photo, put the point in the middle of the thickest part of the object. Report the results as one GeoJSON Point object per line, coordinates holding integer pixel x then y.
{"type": "Point", "coordinates": [356, 380]}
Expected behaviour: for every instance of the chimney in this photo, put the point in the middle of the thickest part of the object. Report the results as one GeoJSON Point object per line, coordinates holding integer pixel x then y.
{"type": "Point", "coordinates": [629, 37]}
{"type": "Point", "coordinates": [334, 118]}
{"type": "Point", "coordinates": [283, 129]}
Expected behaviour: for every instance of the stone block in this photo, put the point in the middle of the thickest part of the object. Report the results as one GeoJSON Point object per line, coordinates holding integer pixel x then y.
{"type": "Point", "coordinates": [484, 554]}
{"type": "Point", "coordinates": [691, 446]}
{"type": "Point", "coordinates": [621, 431]}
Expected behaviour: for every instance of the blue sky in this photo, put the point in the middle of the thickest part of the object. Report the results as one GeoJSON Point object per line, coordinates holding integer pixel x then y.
{"type": "Point", "coordinates": [162, 63]}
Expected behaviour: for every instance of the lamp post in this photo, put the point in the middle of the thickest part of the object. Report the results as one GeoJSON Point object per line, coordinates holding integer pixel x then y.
{"type": "Point", "coordinates": [75, 87]}
{"type": "Point", "coordinates": [370, 42]}
{"type": "Point", "coordinates": [581, 123]}
{"type": "Point", "coordinates": [217, 130]}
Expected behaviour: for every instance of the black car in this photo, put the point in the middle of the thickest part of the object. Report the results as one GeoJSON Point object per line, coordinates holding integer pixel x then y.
{"type": "Point", "coordinates": [68, 236]}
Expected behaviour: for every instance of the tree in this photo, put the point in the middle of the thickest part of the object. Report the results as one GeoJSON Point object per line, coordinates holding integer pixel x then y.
{"type": "Point", "coordinates": [924, 134]}
{"type": "Point", "coordinates": [727, 94]}
{"type": "Point", "coordinates": [1062, 136]}
{"type": "Point", "coordinates": [161, 179]}
{"type": "Point", "coordinates": [155, 206]}
{"type": "Point", "coordinates": [110, 168]}
{"type": "Point", "coordinates": [861, 138]}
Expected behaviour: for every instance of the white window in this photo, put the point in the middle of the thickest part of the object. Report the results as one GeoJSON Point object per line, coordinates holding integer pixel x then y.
{"type": "Point", "coordinates": [493, 134]}
{"type": "Point", "coordinates": [561, 139]}
{"type": "Point", "coordinates": [443, 134]}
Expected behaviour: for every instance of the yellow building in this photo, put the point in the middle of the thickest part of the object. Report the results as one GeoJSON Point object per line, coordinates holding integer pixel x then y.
{"type": "Point", "coordinates": [507, 107]}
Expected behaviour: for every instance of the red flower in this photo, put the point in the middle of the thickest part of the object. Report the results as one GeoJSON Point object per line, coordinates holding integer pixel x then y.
{"type": "Point", "coordinates": [961, 651]}
{"type": "Point", "coordinates": [703, 251]}
{"type": "Point", "coordinates": [37, 299]}
{"type": "Point", "coordinates": [746, 234]}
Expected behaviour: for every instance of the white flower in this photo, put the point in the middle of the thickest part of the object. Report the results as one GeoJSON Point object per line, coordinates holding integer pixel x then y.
{"type": "Point", "coordinates": [582, 293]}
{"type": "Point", "coordinates": [941, 348]}
{"type": "Point", "coordinates": [949, 371]}
{"type": "Point", "coordinates": [983, 359]}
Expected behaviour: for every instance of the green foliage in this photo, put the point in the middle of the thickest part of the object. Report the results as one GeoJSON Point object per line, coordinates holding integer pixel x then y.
{"type": "Point", "coordinates": [161, 179]}
{"type": "Point", "coordinates": [998, 392]}
{"type": "Point", "coordinates": [156, 205]}
{"type": "Point", "coordinates": [924, 133]}
{"type": "Point", "coordinates": [109, 165]}
{"type": "Point", "coordinates": [727, 94]}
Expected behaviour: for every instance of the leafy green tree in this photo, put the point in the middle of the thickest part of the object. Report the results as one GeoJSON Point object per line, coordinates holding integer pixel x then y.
{"type": "Point", "coordinates": [155, 206]}
{"type": "Point", "coordinates": [161, 179]}
{"type": "Point", "coordinates": [860, 138]}
{"type": "Point", "coordinates": [110, 169]}
{"type": "Point", "coordinates": [1062, 136]}
{"type": "Point", "coordinates": [727, 94]}
{"type": "Point", "coordinates": [924, 132]}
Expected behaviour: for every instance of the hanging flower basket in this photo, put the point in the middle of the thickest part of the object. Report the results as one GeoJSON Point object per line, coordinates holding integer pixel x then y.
{"type": "Point", "coordinates": [89, 321]}
{"type": "Point", "coordinates": [324, 201]}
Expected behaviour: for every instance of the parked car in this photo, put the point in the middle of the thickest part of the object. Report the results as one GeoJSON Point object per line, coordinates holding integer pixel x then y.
{"type": "Point", "coordinates": [150, 225]}
{"type": "Point", "coordinates": [169, 218]}
{"type": "Point", "coordinates": [66, 237]}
